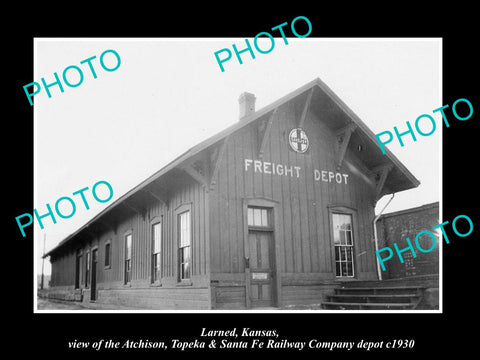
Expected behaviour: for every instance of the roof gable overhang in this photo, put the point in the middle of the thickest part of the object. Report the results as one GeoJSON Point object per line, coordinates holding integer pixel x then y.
{"type": "Point", "coordinates": [386, 171]}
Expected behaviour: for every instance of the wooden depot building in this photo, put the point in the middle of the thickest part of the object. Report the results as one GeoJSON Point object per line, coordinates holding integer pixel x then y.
{"type": "Point", "coordinates": [274, 211]}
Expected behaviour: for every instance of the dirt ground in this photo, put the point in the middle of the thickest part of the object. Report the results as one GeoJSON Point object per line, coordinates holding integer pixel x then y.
{"type": "Point", "coordinates": [49, 304]}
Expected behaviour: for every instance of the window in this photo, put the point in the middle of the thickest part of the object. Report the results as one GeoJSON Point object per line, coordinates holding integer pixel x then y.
{"type": "Point", "coordinates": [184, 240]}
{"type": "Point", "coordinates": [343, 240]}
{"type": "Point", "coordinates": [87, 269]}
{"type": "Point", "coordinates": [128, 258]}
{"type": "Point", "coordinates": [156, 251]}
{"type": "Point", "coordinates": [78, 270]}
{"type": "Point", "coordinates": [108, 254]}
{"type": "Point", "coordinates": [258, 217]}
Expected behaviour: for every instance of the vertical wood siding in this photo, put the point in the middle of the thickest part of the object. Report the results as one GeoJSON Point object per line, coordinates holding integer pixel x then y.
{"type": "Point", "coordinates": [302, 232]}
{"type": "Point", "coordinates": [304, 229]}
{"type": "Point", "coordinates": [63, 267]}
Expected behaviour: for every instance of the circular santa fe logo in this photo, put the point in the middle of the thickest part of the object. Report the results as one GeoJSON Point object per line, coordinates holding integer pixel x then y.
{"type": "Point", "coordinates": [298, 140]}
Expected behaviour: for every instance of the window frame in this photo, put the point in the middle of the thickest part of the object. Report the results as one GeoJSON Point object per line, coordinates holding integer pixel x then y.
{"type": "Point", "coordinates": [269, 218]}
{"type": "Point", "coordinates": [127, 279]}
{"type": "Point", "coordinates": [156, 275]}
{"type": "Point", "coordinates": [107, 254]}
{"type": "Point", "coordinates": [179, 211]}
{"type": "Point", "coordinates": [88, 257]}
{"type": "Point", "coordinates": [79, 271]}
{"type": "Point", "coordinates": [343, 210]}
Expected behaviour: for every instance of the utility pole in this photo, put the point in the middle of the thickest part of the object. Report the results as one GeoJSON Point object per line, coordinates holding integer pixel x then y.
{"type": "Point", "coordinates": [43, 260]}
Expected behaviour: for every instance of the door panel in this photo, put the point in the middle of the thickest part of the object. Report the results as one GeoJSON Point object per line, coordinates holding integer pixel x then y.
{"type": "Point", "coordinates": [93, 290]}
{"type": "Point", "coordinates": [77, 271]}
{"type": "Point", "coordinates": [262, 270]}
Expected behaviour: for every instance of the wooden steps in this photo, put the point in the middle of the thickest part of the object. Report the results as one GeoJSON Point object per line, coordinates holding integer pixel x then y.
{"type": "Point", "coordinates": [374, 296]}
{"type": "Point", "coordinates": [367, 306]}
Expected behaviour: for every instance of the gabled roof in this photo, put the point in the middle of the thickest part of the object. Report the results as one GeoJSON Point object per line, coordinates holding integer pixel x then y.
{"type": "Point", "coordinates": [408, 181]}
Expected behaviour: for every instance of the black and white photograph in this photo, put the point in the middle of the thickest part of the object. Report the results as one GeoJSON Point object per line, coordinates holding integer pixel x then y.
{"type": "Point", "coordinates": [231, 182]}
{"type": "Point", "coordinates": [237, 190]}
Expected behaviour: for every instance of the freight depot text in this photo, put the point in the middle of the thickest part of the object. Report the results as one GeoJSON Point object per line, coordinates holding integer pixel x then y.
{"type": "Point", "coordinates": [266, 167]}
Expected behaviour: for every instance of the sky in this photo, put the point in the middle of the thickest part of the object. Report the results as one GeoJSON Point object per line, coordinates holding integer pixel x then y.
{"type": "Point", "coordinates": [168, 95]}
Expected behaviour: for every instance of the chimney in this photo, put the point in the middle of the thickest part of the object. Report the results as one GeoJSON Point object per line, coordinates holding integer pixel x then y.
{"type": "Point", "coordinates": [247, 104]}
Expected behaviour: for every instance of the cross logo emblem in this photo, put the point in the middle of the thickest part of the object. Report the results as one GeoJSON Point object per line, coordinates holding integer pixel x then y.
{"type": "Point", "coordinates": [298, 140]}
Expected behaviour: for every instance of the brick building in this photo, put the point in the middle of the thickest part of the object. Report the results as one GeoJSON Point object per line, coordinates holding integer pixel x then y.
{"type": "Point", "coordinates": [396, 226]}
